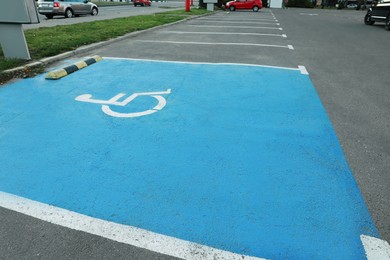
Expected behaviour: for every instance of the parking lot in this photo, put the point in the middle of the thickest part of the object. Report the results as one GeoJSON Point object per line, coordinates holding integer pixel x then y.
{"type": "Point", "coordinates": [266, 58]}
{"type": "Point", "coordinates": [232, 37]}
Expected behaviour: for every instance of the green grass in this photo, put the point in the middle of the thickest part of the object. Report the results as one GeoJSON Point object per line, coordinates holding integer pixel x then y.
{"type": "Point", "coordinates": [45, 42]}
{"type": "Point", "coordinates": [50, 41]}
{"type": "Point", "coordinates": [9, 63]}
{"type": "Point", "coordinates": [194, 11]}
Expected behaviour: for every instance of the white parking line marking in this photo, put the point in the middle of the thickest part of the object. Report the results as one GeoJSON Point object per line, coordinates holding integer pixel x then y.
{"type": "Point", "coordinates": [230, 19]}
{"type": "Point", "coordinates": [303, 70]}
{"type": "Point", "coordinates": [375, 248]}
{"type": "Point", "coordinates": [227, 20]}
{"type": "Point", "coordinates": [238, 27]}
{"type": "Point", "coordinates": [226, 33]}
{"type": "Point", "coordinates": [221, 43]}
{"type": "Point", "coordinates": [237, 22]}
{"type": "Point", "coordinates": [121, 233]}
{"type": "Point", "coordinates": [205, 63]}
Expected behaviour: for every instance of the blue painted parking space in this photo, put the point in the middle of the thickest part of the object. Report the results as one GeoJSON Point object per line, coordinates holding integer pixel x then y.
{"type": "Point", "coordinates": [236, 157]}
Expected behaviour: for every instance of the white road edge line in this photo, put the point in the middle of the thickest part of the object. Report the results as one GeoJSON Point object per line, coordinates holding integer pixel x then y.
{"type": "Point", "coordinates": [302, 69]}
{"type": "Point", "coordinates": [117, 232]}
{"type": "Point", "coordinates": [220, 43]}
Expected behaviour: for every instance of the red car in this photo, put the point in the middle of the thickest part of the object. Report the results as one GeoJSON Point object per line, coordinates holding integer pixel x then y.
{"type": "Point", "coordinates": [142, 2]}
{"type": "Point", "coordinates": [255, 5]}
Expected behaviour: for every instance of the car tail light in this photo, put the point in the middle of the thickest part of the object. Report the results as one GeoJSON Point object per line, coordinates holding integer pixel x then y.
{"type": "Point", "coordinates": [56, 4]}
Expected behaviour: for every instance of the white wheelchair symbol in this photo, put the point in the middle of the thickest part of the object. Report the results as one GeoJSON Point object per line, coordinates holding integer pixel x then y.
{"type": "Point", "coordinates": [115, 102]}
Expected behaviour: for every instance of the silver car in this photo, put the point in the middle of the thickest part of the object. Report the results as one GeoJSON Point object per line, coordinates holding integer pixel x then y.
{"type": "Point", "coordinates": [67, 8]}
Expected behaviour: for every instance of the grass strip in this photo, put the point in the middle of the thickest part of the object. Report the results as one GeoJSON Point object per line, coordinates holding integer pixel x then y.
{"type": "Point", "coordinates": [49, 41]}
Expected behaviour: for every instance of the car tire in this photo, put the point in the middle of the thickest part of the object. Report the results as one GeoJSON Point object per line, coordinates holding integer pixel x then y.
{"type": "Point", "coordinates": [367, 19]}
{"type": "Point", "coordinates": [68, 13]}
{"type": "Point", "coordinates": [255, 8]}
{"type": "Point", "coordinates": [387, 23]}
{"type": "Point", "coordinates": [232, 8]}
{"type": "Point", "coordinates": [49, 16]}
{"type": "Point", "coordinates": [94, 11]}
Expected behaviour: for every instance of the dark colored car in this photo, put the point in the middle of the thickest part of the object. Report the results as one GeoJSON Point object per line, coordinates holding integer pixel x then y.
{"type": "Point", "coordinates": [67, 8]}
{"type": "Point", "coordinates": [142, 2]}
{"type": "Point", "coordinates": [379, 12]}
{"type": "Point", "coordinates": [255, 5]}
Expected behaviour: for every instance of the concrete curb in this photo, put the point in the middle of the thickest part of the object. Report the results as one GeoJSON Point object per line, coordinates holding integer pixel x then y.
{"type": "Point", "coordinates": [87, 48]}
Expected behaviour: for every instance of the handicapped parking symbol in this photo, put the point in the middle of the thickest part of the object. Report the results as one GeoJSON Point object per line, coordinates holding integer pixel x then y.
{"type": "Point", "coordinates": [114, 101]}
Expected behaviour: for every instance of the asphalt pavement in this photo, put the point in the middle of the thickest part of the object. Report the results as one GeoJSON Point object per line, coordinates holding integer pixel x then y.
{"type": "Point", "coordinates": [334, 46]}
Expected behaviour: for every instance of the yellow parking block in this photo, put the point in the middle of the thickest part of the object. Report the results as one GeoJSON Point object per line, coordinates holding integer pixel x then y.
{"type": "Point", "coordinates": [59, 73]}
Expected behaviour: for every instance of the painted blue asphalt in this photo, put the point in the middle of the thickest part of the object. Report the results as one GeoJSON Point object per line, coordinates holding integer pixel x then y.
{"type": "Point", "coordinates": [241, 158]}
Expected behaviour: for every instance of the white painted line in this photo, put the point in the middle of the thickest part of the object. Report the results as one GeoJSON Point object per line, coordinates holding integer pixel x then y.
{"type": "Point", "coordinates": [237, 22]}
{"type": "Point", "coordinates": [207, 63]}
{"type": "Point", "coordinates": [225, 33]}
{"type": "Point", "coordinates": [219, 43]}
{"type": "Point", "coordinates": [308, 14]}
{"type": "Point", "coordinates": [303, 70]}
{"type": "Point", "coordinates": [240, 27]}
{"type": "Point", "coordinates": [121, 233]}
{"type": "Point", "coordinates": [376, 249]}
{"type": "Point", "coordinates": [227, 20]}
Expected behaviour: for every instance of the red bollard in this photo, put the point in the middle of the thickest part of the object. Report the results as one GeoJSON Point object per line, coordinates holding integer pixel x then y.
{"type": "Point", "coordinates": [187, 5]}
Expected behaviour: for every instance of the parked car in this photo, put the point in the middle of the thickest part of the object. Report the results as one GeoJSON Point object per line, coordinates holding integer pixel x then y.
{"type": "Point", "coordinates": [351, 4]}
{"type": "Point", "coordinates": [379, 12]}
{"type": "Point", "coordinates": [67, 8]}
{"type": "Point", "coordinates": [255, 5]}
{"type": "Point", "coordinates": [142, 2]}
